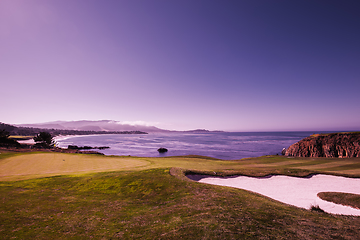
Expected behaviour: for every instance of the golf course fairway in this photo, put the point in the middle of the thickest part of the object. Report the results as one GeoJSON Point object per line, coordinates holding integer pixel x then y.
{"type": "Point", "coordinates": [78, 196]}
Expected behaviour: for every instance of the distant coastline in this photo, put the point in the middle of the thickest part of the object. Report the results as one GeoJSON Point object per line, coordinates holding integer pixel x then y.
{"type": "Point", "coordinates": [32, 131]}
{"type": "Point", "coordinates": [220, 145]}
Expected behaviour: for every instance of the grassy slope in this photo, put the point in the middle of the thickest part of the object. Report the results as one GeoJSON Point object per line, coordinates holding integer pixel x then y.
{"type": "Point", "coordinates": [347, 199]}
{"type": "Point", "coordinates": [145, 201]}
{"type": "Point", "coordinates": [153, 204]}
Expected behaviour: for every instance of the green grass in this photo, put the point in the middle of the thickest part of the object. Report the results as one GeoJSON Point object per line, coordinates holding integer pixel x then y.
{"type": "Point", "coordinates": [18, 137]}
{"type": "Point", "coordinates": [327, 134]}
{"type": "Point", "coordinates": [35, 165]}
{"type": "Point", "coordinates": [347, 199]}
{"type": "Point", "coordinates": [7, 155]}
{"type": "Point", "coordinates": [107, 197]}
{"type": "Point", "coordinates": [309, 163]}
{"type": "Point", "coordinates": [152, 204]}
{"type": "Point", "coordinates": [20, 166]}
{"type": "Point", "coordinates": [344, 167]}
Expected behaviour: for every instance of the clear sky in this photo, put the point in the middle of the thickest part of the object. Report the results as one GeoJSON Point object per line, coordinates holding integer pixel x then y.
{"type": "Point", "coordinates": [227, 65]}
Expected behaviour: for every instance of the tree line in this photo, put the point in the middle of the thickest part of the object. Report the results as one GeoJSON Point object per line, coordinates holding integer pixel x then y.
{"type": "Point", "coordinates": [28, 131]}
{"type": "Point", "coordinates": [44, 138]}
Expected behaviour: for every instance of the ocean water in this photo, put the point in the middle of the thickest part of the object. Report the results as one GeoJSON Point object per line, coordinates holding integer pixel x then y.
{"type": "Point", "coordinates": [221, 145]}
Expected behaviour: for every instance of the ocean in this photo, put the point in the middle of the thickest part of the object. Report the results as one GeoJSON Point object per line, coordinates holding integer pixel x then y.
{"type": "Point", "coordinates": [221, 145]}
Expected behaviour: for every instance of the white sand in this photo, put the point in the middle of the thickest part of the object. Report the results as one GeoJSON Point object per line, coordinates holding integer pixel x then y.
{"type": "Point", "coordinates": [57, 138]}
{"type": "Point", "coordinates": [64, 137]}
{"type": "Point", "coordinates": [300, 192]}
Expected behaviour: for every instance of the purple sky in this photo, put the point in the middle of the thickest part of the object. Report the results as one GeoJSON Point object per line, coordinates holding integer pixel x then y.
{"type": "Point", "coordinates": [227, 65]}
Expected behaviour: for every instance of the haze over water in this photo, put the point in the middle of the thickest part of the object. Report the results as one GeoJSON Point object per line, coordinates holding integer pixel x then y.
{"type": "Point", "coordinates": [222, 145]}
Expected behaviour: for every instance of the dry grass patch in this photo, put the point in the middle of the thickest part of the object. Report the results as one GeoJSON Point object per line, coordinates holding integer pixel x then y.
{"type": "Point", "coordinates": [347, 199]}
{"type": "Point", "coordinates": [152, 204]}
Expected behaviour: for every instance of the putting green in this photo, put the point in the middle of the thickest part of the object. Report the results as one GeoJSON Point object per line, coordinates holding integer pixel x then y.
{"type": "Point", "coordinates": [51, 164]}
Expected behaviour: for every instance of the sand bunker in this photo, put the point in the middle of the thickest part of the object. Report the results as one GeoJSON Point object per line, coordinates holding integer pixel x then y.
{"type": "Point", "coordinates": [300, 192]}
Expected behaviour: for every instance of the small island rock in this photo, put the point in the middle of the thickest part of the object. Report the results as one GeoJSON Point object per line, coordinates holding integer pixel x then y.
{"type": "Point", "coordinates": [162, 150]}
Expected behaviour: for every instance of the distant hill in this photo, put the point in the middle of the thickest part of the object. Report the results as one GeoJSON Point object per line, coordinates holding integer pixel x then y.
{"type": "Point", "coordinates": [202, 131]}
{"type": "Point", "coordinates": [32, 131]}
{"type": "Point", "coordinates": [102, 125]}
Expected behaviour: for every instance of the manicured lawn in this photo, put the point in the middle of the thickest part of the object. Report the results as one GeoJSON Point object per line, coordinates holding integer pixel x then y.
{"type": "Point", "coordinates": [16, 137]}
{"type": "Point", "coordinates": [152, 204]}
{"type": "Point", "coordinates": [34, 165]}
{"type": "Point", "coordinates": [100, 197]}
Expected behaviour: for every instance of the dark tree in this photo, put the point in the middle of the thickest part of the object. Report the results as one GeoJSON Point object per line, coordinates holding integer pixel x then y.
{"type": "Point", "coordinates": [8, 128]}
{"type": "Point", "coordinates": [5, 141]}
{"type": "Point", "coordinates": [4, 133]}
{"type": "Point", "coordinates": [44, 140]}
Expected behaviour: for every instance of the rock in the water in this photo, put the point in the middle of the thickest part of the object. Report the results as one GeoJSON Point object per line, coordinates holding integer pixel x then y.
{"type": "Point", "coordinates": [341, 145]}
{"type": "Point", "coordinates": [162, 150]}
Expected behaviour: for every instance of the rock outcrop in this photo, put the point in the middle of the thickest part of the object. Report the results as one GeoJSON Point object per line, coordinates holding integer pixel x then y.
{"type": "Point", "coordinates": [162, 150]}
{"type": "Point", "coordinates": [340, 145]}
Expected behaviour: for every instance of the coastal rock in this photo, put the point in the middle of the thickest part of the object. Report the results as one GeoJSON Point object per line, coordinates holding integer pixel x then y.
{"type": "Point", "coordinates": [74, 147]}
{"type": "Point", "coordinates": [340, 145]}
{"type": "Point", "coordinates": [162, 150]}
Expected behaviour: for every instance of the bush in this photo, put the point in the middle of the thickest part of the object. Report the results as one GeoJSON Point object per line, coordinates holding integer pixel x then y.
{"type": "Point", "coordinates": [44, 140]}
{"type": "Point", "coordinates": [4, 133]}
{"type": "Point", "coordinates": [316, 208]}
{"type": "Point", "coordinates": [5, 141]}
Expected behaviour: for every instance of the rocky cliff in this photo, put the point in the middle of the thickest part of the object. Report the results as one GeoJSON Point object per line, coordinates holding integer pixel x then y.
{"type": "Point", "coordinates": [341, 145]}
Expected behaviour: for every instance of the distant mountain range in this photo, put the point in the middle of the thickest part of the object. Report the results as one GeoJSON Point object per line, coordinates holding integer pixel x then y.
{"type": "Point", "coordinates": [32, 131]}
{"type": "Point", "coordinates": [102, 125]}
{"type": "Point", "coordinates": [85, 125]}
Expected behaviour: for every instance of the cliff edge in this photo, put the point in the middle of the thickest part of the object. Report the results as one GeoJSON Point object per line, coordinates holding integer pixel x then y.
{"type": "Point", "coordinates": [341, 145]}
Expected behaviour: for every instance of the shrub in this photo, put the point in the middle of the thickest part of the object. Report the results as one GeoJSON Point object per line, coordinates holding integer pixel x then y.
{"type": "Point", "coordinates": [316, 208]}
{"type": "Point", "coordinates": [44, 140]}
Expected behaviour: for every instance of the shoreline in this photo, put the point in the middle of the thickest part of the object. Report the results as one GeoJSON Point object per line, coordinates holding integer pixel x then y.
{"type": "Point", "coordinates": [224, 146]}
{"type": "Point", "coordinates": [64, 137]}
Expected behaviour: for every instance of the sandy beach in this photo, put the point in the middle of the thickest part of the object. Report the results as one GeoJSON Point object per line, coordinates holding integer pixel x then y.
{"type": "Point", "coordinates": [296, 191]}
{"type": "Point", "coordinates": [57, 138]}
